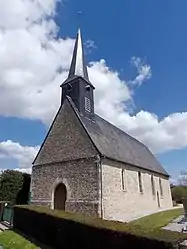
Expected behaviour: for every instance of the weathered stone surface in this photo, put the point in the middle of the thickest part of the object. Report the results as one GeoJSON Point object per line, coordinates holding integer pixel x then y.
{"type": "Point", "coordinates": [41, 203]}
{"type": "Point", "coordinates": [89, 208]}
{"type": "Point", "coordinates": [80, 178]}
{"type": "Point", "coordinates": [67, 156]}
{"type": "Point", "coordinates": [128, 204]}
{"type": "Point", "coordinates": [67, 139]}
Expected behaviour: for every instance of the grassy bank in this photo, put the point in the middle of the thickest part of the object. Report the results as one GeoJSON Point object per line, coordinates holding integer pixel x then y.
{"type": "Point", "coordinates": [151, 225]}
{"type": "Point", "coordinates": [12, 240]}
{"type": "Point", "coordinates": [157, 220]}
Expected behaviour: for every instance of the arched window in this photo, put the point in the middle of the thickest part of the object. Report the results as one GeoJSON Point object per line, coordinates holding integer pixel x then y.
{"type": "Point", "coordinates": [140, 182]}
{"type": "Point", "coordinates": [153, 185]}
{"type": "Point", "coordinates": [160, 185]}
{"type": "Point", "coordinates": [123, 179]}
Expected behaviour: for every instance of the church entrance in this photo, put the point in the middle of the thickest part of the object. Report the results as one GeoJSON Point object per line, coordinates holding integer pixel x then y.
{"type": "Point", "coordinates": [60, 196]}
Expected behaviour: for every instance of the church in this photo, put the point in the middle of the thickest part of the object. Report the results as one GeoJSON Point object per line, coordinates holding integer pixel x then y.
{"type": "Point", "coordinates": [87, 165]}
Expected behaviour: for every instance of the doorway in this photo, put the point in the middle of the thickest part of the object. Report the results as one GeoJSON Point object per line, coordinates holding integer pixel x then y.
{"type": "Point", "coordinates": [60, 196]}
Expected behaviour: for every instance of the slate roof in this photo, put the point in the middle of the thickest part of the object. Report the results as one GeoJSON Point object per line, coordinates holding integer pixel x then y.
{"type": "Point", "coordinates": [113, 143]}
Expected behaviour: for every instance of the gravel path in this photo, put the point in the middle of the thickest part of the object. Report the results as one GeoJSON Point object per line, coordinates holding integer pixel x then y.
{"type": "Point", "coordinates": [176, 225]}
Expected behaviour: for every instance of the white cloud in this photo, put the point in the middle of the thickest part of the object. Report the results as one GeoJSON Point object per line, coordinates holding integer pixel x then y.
{"type": "Point", "coordinates": [24, 170]}
{"type": "Point", "coordinates": [23, 155]}
{"type": "Point", "coordinates": [33, 64]}
{"type": "Point", "coordinates": [168, 134]}
{"type": "Point", "coordinates": [144, 71]}
{"type": "Point", "coordinates": [89, 46]}
{"type": "Point", "coordinates": [31, 59]}
{"type": "Point", "coordinates": [111, 92]}
{"type": "Point", "coordinates": [21, 13]}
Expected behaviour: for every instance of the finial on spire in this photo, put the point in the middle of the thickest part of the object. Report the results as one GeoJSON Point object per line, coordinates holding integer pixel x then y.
{"type": "Point", "coordinates": [78, 66]}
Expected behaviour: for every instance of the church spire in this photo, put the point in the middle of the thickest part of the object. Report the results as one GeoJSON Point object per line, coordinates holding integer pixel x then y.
{"type": "Point", "coordinates": [78, 66]}
{"type": "Point", "coordinates": [77, 85]}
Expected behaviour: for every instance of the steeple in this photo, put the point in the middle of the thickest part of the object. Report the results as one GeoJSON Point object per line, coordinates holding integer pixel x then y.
{"type": "Point", "coordinates": [78, 66]}
{"type": "Point", "coordinates": [77, 85]}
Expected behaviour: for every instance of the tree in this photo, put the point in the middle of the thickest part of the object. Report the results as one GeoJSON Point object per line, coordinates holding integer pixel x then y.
{"type": "Point", "coordinates": [178, 193]}
{"type": "Point", "coordinates": [23, 194]}
{"type": "Point", "coordinates": [14, 187]}
{"type": "Point", "coordinates": [183, 178]}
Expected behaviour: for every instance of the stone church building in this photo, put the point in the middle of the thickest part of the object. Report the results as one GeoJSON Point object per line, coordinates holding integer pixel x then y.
{"type": "Point", "coordinates": [88, 165]}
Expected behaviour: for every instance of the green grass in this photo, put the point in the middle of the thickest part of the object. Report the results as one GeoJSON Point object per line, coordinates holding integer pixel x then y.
{"type": "Point", "coordinates": [151, 225]}
{"type": "Point", "coordinates": [158, 220]}
{"type": "Point", "coordinates": [12, 240]}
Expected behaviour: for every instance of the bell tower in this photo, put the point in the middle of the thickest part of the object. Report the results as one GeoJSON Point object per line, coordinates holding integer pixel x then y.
{"type": "Point", "coordinates": [77, 85]}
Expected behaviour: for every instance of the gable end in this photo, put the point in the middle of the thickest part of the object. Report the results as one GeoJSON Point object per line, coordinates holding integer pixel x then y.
{"type": "Point", "coordinates": [66, 139]}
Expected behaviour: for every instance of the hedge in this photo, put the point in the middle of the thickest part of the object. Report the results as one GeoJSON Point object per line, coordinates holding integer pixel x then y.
{"type": "Point", "coordinates": [58, 229]}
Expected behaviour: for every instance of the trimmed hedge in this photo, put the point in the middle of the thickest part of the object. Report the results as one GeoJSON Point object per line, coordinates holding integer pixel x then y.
{"type": "Point", "coordinates": [59, 229]}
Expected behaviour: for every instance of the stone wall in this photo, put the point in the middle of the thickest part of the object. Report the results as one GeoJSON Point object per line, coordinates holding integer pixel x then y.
{"type": "Point", "coordinates": [130, 203]}
{"type": "Point", "coordinates": [80, 178]}
{"type": "Point", "coordinates": [67, 156]}
{"type": "Point", "coordinates": [66, 140]}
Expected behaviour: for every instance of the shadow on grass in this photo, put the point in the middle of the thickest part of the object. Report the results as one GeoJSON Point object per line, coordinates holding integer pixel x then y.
{"type": "Point", "coordinates": [30, 239]}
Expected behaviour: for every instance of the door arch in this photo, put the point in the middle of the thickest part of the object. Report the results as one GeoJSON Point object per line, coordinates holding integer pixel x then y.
{"type": "Point", "coordinates": [60, 197]}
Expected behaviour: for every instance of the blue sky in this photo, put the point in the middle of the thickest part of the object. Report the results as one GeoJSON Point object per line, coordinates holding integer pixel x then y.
{"type": "Point", "coordinates": [154, 31]}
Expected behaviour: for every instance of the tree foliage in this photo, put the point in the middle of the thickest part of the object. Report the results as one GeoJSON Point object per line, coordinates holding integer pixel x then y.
{"type": "Point", "coordinates": [178, 193]}
{"type": "Point", "coordinates": [14, 187]}
{"type": "Point", "coordinates": [183, 178]}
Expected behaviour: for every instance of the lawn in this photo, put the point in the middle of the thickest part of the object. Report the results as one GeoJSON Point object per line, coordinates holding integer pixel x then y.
{"type": "Point", "coordinates": [158, 220]}
{"type": "Point", "coordinates": [12, 240]}
{"type": "Point", "coordinates": [151, 225]}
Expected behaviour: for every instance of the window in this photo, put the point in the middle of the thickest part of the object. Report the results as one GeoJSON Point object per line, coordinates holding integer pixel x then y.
{"type": "Point", "coordinates": [140, 182]}
{"type": "Point", "coordinates": [153, 185]}
{"type": "Point", "coordinates": [160, 185]}
{"type": "Point", "coordinates": [123, 179]}
{"type": "Point", "coordinates": [88, 88]}
{"type": "Point", "coordinates": [87, 104]}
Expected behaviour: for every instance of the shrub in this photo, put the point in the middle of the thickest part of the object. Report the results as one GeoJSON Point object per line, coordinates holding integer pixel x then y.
{"type": "Point", "coordinates": [178, 193]}
{"type": "Point", "coordinates": [59, 229]}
